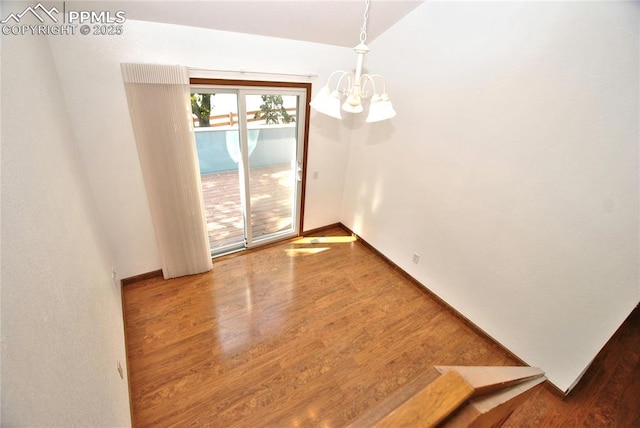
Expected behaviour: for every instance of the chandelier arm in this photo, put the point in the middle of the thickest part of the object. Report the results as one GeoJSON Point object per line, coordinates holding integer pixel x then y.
{"type": "Point", "coordinates": [332, 75]}
{"type": "Point", "coordinates": [346, 74]}
{"type": "Point", "coordinates": [367, 78]}
{"type": "Point", "coordinates": [372, 77]}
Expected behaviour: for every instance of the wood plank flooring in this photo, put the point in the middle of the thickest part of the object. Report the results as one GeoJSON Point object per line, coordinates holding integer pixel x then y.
{"type": "Point", "coordinates": [294, 335]}
{"type": "Point", "coordinates": [607, 396]}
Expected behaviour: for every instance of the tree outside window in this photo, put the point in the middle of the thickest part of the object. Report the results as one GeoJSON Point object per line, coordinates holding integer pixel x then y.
{"type": "Point", "coordinates": [272, 111]}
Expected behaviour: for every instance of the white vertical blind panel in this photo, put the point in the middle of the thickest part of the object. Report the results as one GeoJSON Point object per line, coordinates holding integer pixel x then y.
{"type": "Point", "coordinates": [160, 109]}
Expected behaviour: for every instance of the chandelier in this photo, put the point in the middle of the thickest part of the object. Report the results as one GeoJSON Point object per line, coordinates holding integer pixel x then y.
{"type": "Point", "coordinates": [353, 88]}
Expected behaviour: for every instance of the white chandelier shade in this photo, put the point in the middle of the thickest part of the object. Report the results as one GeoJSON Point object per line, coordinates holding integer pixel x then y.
{"type": "Point", "coordinates": [327, 102]}
{"type": "Point", "coordinates": [380, 108]}
{"type": "Point", "coordinates": [353, 88]}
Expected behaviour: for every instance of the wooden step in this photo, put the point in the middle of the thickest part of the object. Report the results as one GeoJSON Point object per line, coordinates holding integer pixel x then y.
{"type": "Point", "coordinates": [455, 396]}
{"type": "Point", "coordinates": [493, 409]}
{"type": "Point", "coordinates": [486, 379]}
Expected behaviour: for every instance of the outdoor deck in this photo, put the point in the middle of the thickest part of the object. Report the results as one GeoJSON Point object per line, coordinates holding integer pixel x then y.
{"type": "Point", "coordinates": [271, 206]}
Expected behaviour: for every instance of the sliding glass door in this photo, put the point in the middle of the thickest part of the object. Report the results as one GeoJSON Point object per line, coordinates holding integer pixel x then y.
{"type": "Point", "coordinates": [250, 143]}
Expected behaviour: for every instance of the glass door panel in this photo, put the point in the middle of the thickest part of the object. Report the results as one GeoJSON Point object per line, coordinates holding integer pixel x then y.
{"type": "Point", "coordinates": [272, 130]}
{"type": "Point", "coordinates": [250, 144]}
{"type": "Point", "coordinates": [215, 117]}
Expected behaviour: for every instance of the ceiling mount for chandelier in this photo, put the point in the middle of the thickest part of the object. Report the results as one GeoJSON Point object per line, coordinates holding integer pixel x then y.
{"type": "Point", "coordinates": [354, 87]}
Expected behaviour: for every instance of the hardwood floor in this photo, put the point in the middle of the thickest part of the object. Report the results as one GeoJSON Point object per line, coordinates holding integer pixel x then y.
{"type": "Point", "coordinates": [607, 396]}
{"type": "Point", "coordinates": [295, 335]}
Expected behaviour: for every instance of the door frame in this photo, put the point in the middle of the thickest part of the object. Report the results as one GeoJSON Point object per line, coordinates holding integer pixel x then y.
{"type": "Point", "coordinates": [242, 85]}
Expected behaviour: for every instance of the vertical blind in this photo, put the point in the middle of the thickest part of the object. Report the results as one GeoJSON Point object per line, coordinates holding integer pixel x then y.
{"type": "Point", "coordinates": [160, 110]}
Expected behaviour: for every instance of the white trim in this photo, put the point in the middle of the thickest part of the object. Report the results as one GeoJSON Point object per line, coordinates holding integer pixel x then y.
{"type": "Point", "coordinates": [244, 166]}
{"type": "Point", "coordinates": [243, 74]}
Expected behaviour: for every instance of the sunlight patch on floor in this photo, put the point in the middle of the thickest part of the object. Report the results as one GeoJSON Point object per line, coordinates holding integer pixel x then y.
{"type": "Point", "coordinates": [325, 240]}
{"type": "Point", "coordinates": [296, 252]}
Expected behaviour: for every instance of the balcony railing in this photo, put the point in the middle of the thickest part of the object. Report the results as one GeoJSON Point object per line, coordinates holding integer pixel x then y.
{"type": "Point", "coordinates": [231, 119]}
{"type": "Point", "coordinates": [271, 178]}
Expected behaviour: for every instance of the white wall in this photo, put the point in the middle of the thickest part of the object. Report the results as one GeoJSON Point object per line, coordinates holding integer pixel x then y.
{"type": "Point", "coordinates": [62, 331]}
{"type": "Point", "coordinates": [511, 169]}
{"type": "Point", "coordinates": [89, 70]}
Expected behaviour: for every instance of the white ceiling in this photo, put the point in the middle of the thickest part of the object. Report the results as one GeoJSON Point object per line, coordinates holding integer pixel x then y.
{"type": "Point", "coordinates": [328, 21]}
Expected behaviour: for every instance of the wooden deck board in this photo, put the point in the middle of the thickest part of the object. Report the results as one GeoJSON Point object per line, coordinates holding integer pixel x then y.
{"type": "Point", "coordinates": [271, 195]}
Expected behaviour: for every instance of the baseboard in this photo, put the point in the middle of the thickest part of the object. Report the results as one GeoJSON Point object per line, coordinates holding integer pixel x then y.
{"type": "Point", "coordinates": [324, 229]}
{"type": "Point", "coordinates": [554, 390]}
{"type": "Point", "coordinates": [141, 277]}
{"type": "Point", "coordinates": [158, 273]}
{"type": "Point", "coordinates": [126, 351]}
{"type": "Point", "coordinates": [550, 386]}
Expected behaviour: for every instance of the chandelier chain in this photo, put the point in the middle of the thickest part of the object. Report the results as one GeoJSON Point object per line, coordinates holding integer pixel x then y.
{"type": "Point", "coordinates": [363, 31]}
